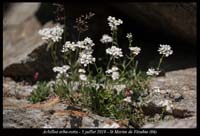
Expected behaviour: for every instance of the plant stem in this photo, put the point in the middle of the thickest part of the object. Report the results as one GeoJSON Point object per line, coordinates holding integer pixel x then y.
{"type": "Point", "coordinates": [109, 62]}
{"type": "Point", "coordinates": [161, 59]}
{"type": "Point", "coordinates": [132, 59]}
{"type": "Point", "coordinates": [53, 54]}
{"type": "Point", "coordinates": [136, 64]}
{"type": "Point", "coordinates": [96, 68]}
{"type": "Point", "coordinates": [116, 38]}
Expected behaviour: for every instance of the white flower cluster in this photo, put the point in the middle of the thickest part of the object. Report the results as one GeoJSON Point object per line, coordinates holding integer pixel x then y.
{"type": "Point", "coordinates": [135, 50]}
{"type": "Point", "coordinates": [166, 103]}
{"type": "Point", "coordinates": [54, 34]}
{"type": "Point", "coordinates": [61, 71]}
{"type": "Point", "coordinates": [115, 52]}
{"type": "Point", "coordinates": [87, 43]}
{"type": "Point", "coordinates": [113, 23]}
{"type": "Point", "coordinates": [85, 57]}
{"type": "Point", "coordinates": [152, 72]}
{"type": "Point", "coordinates": [69, 45]}
{"type": "Point", "coordinates": [114, 72]}
{"type": "Point", "coordinates": [106, 39]}
{"type": "Point", "coordinates": [82, 76]}
{"type": "Point", "coordinates": [129, 35]}
{"type": "Point", "coordinates": [165, 50]}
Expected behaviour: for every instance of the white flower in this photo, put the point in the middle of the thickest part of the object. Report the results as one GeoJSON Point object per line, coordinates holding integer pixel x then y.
{"type": "Point", "coordinates": [119, 88]}
{"type": "Point", "coordinates": [114, 68]}
{"type": "Point", "coordinates": [57, 69]}
{"type": "Point", "coordinates": [65, 68]}
{"type": "Point", "coordinates": [129, 35]}
{"type": "Point", "coordinates": [69, 45]}
{"type": "Point", "coordinates": [83, 77]}
{"type": "Point", "coordinates": [81, 71]}
{"type": "Point", "coordinates": [53, 34]}
{"type": "Point", "coordinates": [59, 75]}
{"type": "Point", "coordinates": [114, 72]}
{"type": "Point", "coordinates": [106, 39]}
{"type": "Point", "coordinates": [115, 75]}
{"type": "Point", "coordinates": [165, 50]}
{"type": "Point", "coordinates": [127, 99]}
{"type": "Point", "coordinates": [109, 71]}
{"type": "Point", "coordinates": [152, 71]}
{"type": "Point", "coordinates": [166, 103]}
{"type": "Point", "coordinates": [87, 44]}
{"type": "Point", "coordinates": [62, 71]}
{"type": "Point", "coordinates": [115, 52]}
{"type": "Point", "coordinates": [113, 23]}
{"type": "Point", "coordinates": [135, 50]}
{"type": "Point", "coordinates": [85, 57]}
{"type": "Point", "coordinates": [80, 44]}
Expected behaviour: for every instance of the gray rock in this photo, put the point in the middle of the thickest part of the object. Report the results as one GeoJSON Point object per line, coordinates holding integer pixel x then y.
{"type": "Point", "coordinates": [21, 118]}
{"type": "Point", "coordinates": [24, 52]}
{"type": "Point", "coordinates": [20, 12]}
{"type": "Point", "coordinates": [177, 97]}
{"type": "Point", "coordinates": [16, 89]}
{"type": "Point", "coordinates": [188, 123]}
{"type": "Point", "coordinates": [171, 87]}
{"type": "Point", "coordinates": [88, 122]}
{"type": "Point", "coordinates": [27, 52]}
{"type": "Point", "coordinates": [17, 115]}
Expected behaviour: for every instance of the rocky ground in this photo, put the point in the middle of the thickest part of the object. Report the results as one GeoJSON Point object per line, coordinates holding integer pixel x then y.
{"type": "Point", "coordinates": [179, 87]}
{"type": "Point", "coordinates": [176, 86]}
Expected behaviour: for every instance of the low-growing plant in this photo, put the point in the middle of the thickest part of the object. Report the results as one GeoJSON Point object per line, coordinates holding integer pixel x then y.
{"type": "Point", "coordinates": [40, 93]}
{"type": "Point", "coordinates": [111, 92]}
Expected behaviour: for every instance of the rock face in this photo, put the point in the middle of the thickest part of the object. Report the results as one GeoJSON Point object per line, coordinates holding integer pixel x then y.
{"type": "Point", "coordinates": [171, 20]}
{"type": "Point", "coordinates": [19, 13]}
{"type": "Point", "coordinates": [179, 87]}
{"type": "Point", "coordinates": [16, 30]}
{"type": "Point", "coordinates": [24, 53]}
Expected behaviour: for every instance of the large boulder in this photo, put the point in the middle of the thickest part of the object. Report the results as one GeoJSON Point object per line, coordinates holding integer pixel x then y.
{"type": "Point", "coordinates": [24, 52]}
{"type": "Point", "coordinates": [166, 21]}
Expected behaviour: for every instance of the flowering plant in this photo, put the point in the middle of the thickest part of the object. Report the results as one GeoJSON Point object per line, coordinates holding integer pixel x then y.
{"type": "Point", "coordinates": [114, 91]}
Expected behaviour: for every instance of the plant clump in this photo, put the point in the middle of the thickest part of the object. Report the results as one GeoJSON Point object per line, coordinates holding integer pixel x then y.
{"type": "Point", "coordinates": [115, 92]}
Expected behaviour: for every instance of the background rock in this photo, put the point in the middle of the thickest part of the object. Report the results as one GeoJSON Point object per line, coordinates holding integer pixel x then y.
{"type": "Point", "coordinates": [18, 13]}
{"type": "Point", "coordinates": [24, 53]}
{"type": "Point", "coordinates": [175, 21]}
